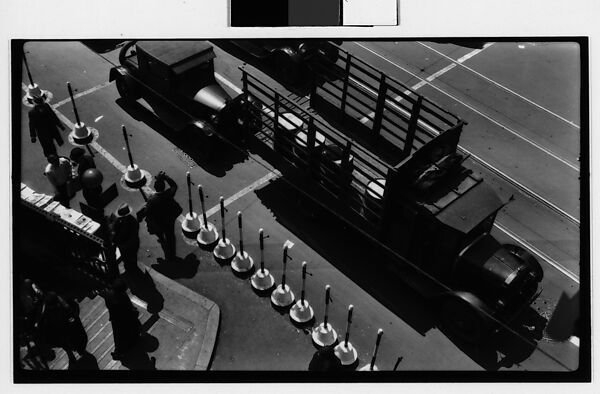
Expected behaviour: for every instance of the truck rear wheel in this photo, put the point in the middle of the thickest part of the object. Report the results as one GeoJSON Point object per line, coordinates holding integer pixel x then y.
{"type": "Point", "coordinates": [463, 320]}
{"type": "Point", "coordinates": [127, 88]}
{"type": "Point", "coordinates": [287, 68]}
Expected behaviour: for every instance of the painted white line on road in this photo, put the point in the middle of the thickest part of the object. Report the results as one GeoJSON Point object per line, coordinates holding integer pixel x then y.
{"type": "Point", "coordinates": [502, 86]}
{"type": "Point", "coordinates": [103, 152]}
{"type": "Point", "coordinates": [81, 94]}
{"type": "Point", "coordinates": [253, 186]}
{"type": "Point", "coordinates": [228, 83]}
{"type": "Point", "coordinates": [516, 134]}
{"type": "Point", "coordinates": [565, 271]}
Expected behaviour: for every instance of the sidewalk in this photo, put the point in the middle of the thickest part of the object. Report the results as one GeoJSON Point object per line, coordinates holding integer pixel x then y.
{"type": "Point", "coordinates": [181, 328]}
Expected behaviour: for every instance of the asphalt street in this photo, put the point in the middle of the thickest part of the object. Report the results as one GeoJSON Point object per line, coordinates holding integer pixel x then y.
{"type": "Point", "coordinates": [532, 146]}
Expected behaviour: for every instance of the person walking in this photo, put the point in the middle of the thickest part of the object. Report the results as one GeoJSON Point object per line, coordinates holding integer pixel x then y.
{"type": "Point", "coordinates": [59, 172]}
{"type": "Point", "coordinates": [124, 229]}
{"type": "Point", "coordinates": [161, 211]}
{"type": "Point", "coordinates": [60, 324]}
{"type": "Point", "coordinates": [123, 318]}
{"type": "Point", "coordinates": [81, 160]}
{"type": "Point", "coordinates": [44, 125]}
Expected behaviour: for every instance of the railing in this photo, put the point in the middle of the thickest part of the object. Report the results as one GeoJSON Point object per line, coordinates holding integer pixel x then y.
{"type": "Point", "coordinates": [329, 158]}
{"type": "Point", "coordinates": [377, 106]}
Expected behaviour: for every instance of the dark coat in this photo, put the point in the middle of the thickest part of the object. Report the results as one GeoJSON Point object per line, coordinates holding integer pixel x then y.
{"type": "Point", "coordinates": [85, 163]}
{"type": "Point", "coordinates": [44, 125]}
{"type": "Point", "coordinates": [123, 318]}
{"type": "Point", "coordinates": [125, 231]}
{"type": "Point", "coordinates": [62, 327]}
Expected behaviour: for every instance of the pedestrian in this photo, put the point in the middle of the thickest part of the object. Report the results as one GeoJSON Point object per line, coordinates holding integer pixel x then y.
{"type": "Point", "coordinates": [123, 318]}
{"type": "Point", "coordinates": [59, 172]}
{"type": "Point", "coordinates": [60, 324]}
{"type": "Point", "coordinates": [124, 230]}
{"type": "Point", "coordinates": [81, 160]}
{"type": "Point", "coordinates": [325, 360]}
{"type": "Point", "coordinates": [44, 125]}
{"type": "Point", "coordinates": [161, 211]}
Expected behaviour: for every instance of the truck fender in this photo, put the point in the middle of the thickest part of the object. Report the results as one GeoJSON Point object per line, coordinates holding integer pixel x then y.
{"type": "Point", "coordinates": [289, 53]}
{"type": "Point", "coordinates": [116, 72]}
{"type": "Point", "coordinates": [527, 259]}
{"type": "Point", "coordinates": [467, 316]}
{"type": "Point", "coordinates": [203, 128]}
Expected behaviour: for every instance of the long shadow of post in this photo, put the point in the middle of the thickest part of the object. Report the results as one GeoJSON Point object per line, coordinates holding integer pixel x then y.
{"type": "Point", "coordinates": [351, 253]}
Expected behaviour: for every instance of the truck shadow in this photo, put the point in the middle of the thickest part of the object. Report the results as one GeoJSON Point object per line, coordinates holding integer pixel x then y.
{"type": "Point", "coordinates": [363, 262]}
{"type": "Point", "coordinates": [216, 159]}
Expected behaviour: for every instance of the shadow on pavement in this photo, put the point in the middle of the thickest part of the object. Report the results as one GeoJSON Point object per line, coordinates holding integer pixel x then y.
{"type": "Point", "coordinates": [137, 357]}
{"type": "Point", "coordinates": [347, 250]}
{"type": "Point", "coordinates": [178, 267]}
{"type": "Point", "coordinates": [361, 261]}
{"type": "Point", "coordinates": [102, 46]}
{"type": "Point", "coordinates": [141, 285]}
{"type": "Point", "coordinates": [475, 44]}
{"type": "Point", "coordinates": [216, 157]}
{"type": "Point", "coordinates": [267, 66]}
{"type": "Point", "coordinates": [87, 362]}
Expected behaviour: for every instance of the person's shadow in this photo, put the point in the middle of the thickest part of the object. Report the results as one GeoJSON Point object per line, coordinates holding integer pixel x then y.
{"type": "Point", "coordinates": [178, 267]}
{"type": "Point", "coordinates": [87, 362]}
{"type": "Point", "coordinates": [142, 286]}
{"type": "Point", "coordinates": [137, 357]}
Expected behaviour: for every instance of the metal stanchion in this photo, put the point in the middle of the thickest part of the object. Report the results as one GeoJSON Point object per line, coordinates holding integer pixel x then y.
{"type": "Point", "coordinates": [80, 134]}
{"type": "Point", "coordinates": [283, 296]}
{"type": "Point", "coordinates": [344, 350]}
{"type": "Point", "coordinates": [324, 334]}
{"type": "Point", "coordinates": [208, 234]}
{"type": "Point", "coordinates": [262, 280]}
{"type": "Point", "coordinates": [242, 262]}
{"type": "Point", "coordinates": [134, 177]}
{"type": "Point", "coordinates": [301, 311]}
{"type": "Point", "coordinates": [190, 224]}
{"type": "Point", "coordinates": [371, 366]}
{"type": "Point", "coordinates": [33, 90]}
{"type": "Point", "coordinates": [224, 249]}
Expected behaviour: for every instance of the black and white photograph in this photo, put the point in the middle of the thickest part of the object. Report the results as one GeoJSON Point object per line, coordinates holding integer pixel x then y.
{"type": "Point", "coordinates": [299, 208]}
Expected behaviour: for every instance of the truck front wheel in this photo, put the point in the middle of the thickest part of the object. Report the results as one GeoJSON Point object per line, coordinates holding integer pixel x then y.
{"type": "Point", "coordinates": [463, 320]}
{"type": "Point", "coordinates": [127, 88]}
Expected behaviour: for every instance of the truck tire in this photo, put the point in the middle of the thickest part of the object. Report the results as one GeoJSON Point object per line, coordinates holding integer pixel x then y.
{"type": "Point", "coordinates": [462, 317]}
{"type": "Point", "coordinates": [127, 88]}
{"type": "Point", "coordinates": [287, 68]}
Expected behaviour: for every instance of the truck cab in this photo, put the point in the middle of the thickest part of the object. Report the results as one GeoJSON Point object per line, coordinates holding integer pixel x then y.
{"type": "Point", "coordinates": [180, 74]}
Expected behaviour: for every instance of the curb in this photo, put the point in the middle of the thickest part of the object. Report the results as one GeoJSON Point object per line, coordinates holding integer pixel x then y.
{"type": "Point", "coordinates": [212, 323]}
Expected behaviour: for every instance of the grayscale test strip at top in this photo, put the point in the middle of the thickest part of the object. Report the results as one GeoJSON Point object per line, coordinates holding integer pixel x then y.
{"type": "Point", "coordinates": [278, 13]}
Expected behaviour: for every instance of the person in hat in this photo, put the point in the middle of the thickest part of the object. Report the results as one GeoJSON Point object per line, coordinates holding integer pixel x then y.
{"type": "Point", "coordinates": [124, 230]}
{"type": "Point", "coordinates": [161, 211]}
{"type": "Point", "coordinates": [44, 125]}
{"type": "Point", "coordinates": [123, 316]}
{"type": "Point", "coordinates": [82, 160]}
{"type": "Point", "coordinates": [59, 171]}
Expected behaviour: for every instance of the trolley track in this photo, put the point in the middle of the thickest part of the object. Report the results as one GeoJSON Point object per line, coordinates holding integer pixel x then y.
{"type": "Point", "coordinates": [518, 185]}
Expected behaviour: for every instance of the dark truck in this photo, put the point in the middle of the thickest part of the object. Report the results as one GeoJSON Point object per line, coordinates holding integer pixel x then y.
{"type": "Point", "coordinates": [292, 59]}
{"type": "Point", "coordinates": [385, 160]}
{"type": "Point", "coordinates": [181, 75]}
